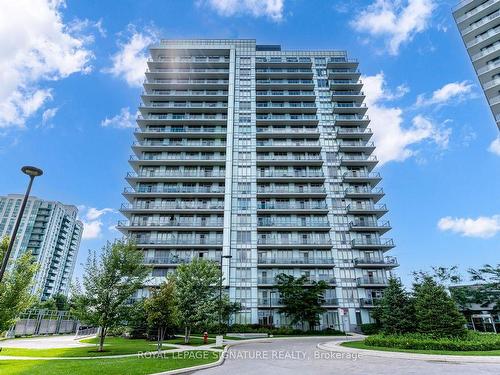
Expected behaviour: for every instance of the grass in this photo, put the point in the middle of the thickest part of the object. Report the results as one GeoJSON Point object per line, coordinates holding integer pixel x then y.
{"type": "Point", "coordinates": [110, 366]}
{"type": "Point", "coordinates": [112, 346]}
{"type": "Point", "coordinates": [362, 345]}
{"type": "Point", "coordinates": [193, 341]}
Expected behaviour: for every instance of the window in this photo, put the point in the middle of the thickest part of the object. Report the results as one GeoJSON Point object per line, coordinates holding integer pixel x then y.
{"type": "Point", "coordinates": [243, 237]}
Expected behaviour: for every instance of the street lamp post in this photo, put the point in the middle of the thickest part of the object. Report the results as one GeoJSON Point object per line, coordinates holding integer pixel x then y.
{"type": "Point", "coordinates": [271, 308]}
{"type": "Point", "coordinates": [220, 291]}
{"type": "Point", "coordinates": [32, 172]}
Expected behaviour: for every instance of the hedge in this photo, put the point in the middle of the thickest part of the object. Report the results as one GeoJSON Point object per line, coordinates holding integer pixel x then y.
{"type": "Point", "coordinates": [370, 328]}
{"type": "Point", "coordinates": [256, 328]}
{"type": "Point", "coordinates": [472, 342]}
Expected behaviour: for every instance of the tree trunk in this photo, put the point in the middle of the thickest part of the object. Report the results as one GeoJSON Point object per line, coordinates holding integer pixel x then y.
{"type": "Point", "coordinates": [187, 334]}
{"type": "Point", "coordinates": [158, 343]}
{"type": "Point", "coordinates": [101, 339]}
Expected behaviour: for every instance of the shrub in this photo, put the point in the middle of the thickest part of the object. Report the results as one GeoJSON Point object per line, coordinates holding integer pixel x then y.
{"type": "Point", "coordinates": [370, 328]}
{"type": "Point", "coordinates": [471, 342]}
{"type": "Point", "coordinates": [257, 328]}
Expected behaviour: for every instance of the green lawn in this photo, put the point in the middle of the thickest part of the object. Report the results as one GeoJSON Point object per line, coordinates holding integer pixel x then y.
{"type": "Point", "coordinates": [362, 345]}
{"type": "Point", "coordinates": [112, 346]}
{"type": "Point", "coordinates": [111, 366]}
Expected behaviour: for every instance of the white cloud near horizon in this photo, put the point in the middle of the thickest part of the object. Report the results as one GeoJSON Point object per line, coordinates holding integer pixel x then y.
{"type": "Point", "coordinates": [481, 227]}
{"type": "Point", "coordinates": [130, 62]}
{"type": "Point", "coordinates": [36, 48]}
{"type": "Point", "coordinates": [272, 9]}
{"type": "Point", "coordinates": [495, 146]}
{"type": "Point", "coordinates": [451, 92]}
{"type": "Point", "coordinates": [397, 22]}
{"type": "Point", "coordinates": [91, 218]}
{"type": "Point", "coordinates": [393, 139]}
{"type": "Point", "coordinates": [124, 120]}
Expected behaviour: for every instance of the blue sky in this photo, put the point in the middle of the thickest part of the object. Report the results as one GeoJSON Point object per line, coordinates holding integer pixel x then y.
{"type": "Point", "coordinates": [71, 83]}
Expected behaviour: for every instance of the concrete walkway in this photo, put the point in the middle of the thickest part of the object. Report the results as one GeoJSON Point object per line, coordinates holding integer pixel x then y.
{"type": "Point", "coordinates": [46, 342]}
{"type": "Point", "coordinates": [334, 346]}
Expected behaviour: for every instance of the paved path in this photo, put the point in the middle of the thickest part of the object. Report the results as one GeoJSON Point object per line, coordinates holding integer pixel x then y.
{"type": "Point", "coordinates": [48, 342]}
{"type": "Point", "coordinates": [301, 356]}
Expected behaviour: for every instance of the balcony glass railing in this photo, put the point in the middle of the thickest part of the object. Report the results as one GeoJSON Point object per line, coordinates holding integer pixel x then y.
{"type": "Point", "coordinates": [177, 157]}
{"type": "Point", "coordinates": [175, 206]}
{"type": "Point", "coordinates": [188, 81]}
{"type": "Point", "coordinates": [347, 93]}
{"type": "Point", "coordinates": [183, 117]}
{"type": "Point", "coordinates": [369, 223]}
{"type": "Point", "coordinates": [382, 242]}
{"type": "Point", "coordinates": [172, 223]}
{"type": "Point", "coordinates": [481, 22]}
{"type": "Point", "coordinates": [345, 82]}
{"type": "Point", "coordinates": [373, 260]}
{"type": "Point", "coordinates": [187, 92]}
{"type": "Point", "coordinates": [292, 206]}
{"type": "Point", "coordinates": [177, 241]}
{"type": "Point", "coordinates": [188, 70]}
{"type": "Point", "coordinates": [291, 190]}
{"type": "Point", "coordinates": [366, 280]}
{"type": "Point", "coordinates": [291, 174]}
{"type": "Point", "coordinates": [366, 207]}
{"type": "Point", "coordinates": [285, 105]}
{"type": "Point", "coordinates": [180, 143]}
{"type": "Point", "coordinates": [327, 278]}
{"type": "Point", "coordinates": [187, 129]}
{"type": "Point", "coordinates": [286, 117]}
{"type": "Point", "coordinates": [176, 174]}
{"type": "Point", "coordinates": [360, 158]}
{"type": "Point", "coordinates": [350, 117]}
{"type": "Point", "coordinates": [176, 260]}
{"type": "Point", "coordinates": [478, 39]}
{"type": "Point", "coordinates": [354, 131]}
{"type": "Point", "coordinates": [184, 105]}
{"type": "Point", "coordinates": [282, 60]}
{"type": "Point", "coordinates": [284, 81]}
{"type": "Point", "coordinates": [292, 223]}
{"type": "Point", "coordinates": [363, 190]}
{"type": "Point", "coordinates": [153, 189]}
{"type": "Point", "coordinates": [191, 59]}
{"type": "Point", "coordinates": [287, 130]}
{"type": "Point", "coordinates": [285, 93]}
{"type": "Point", "coordinates": [291, 242]}
{"type": "Point", "coordinates": [297, 260]}
{"type": "Point", "coordinates": [289, 157]}
{"type": "Point", "coordinates": [369, 302]}
{"type": "Point", "coordinates": [290, 143]}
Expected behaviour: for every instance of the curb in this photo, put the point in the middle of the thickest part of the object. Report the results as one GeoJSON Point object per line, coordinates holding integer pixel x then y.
{"type": "Point", "coordinates": [334, 346]}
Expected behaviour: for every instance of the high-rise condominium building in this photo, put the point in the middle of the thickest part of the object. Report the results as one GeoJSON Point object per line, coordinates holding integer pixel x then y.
{"type": "Point", "coordinates": [479, 24]}
{"type": "Point", "coordinates": [264, 155]}
{"type": "Point", "coordinates": [51, 232]}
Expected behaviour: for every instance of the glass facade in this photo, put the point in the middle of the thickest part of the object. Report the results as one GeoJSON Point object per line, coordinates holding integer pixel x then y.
{"type": "Point", "coordinates": [263, 155]}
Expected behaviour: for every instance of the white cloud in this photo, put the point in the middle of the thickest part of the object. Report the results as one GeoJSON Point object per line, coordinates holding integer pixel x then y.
{"type": "Point", "coordinates": [123, 120]}
{"type": "Point", "coordinates": [91, 219]}
{"type": "Point", "coordinates": [495, 146]}
{"type": "Point", "coordinates": [482, 227]}
{"type": "Point", "coordinates": [455, 91]}
{"type": "Point", "coordinates": [396, 21]}
{"type": "Point", "coordinates": [272, 9]}
{"type": "Point", "coordinates": [36, 47]}
{"type": "Point", "coordinates": [392, 138]}
{"type": "Point", "coordinates": [129, 63]}
{"type": "Point", "coordinates": [48, 115]}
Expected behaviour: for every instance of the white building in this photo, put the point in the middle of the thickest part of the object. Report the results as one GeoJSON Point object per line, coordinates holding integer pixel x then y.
{"type": "Point", "coordinates": [51, 232]}
{"type": "Point", "coordinates": [264, 155]}
{"type": "Point", "coordinates": [479, 24]}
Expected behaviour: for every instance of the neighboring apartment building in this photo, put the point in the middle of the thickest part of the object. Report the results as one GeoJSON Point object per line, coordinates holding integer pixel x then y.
{"type": "Point", "coordinates": [51, 232]}
{"type": "Point", "coordinates": [479, 24]}
{"type": "Point", "coordinates": [264, 155]}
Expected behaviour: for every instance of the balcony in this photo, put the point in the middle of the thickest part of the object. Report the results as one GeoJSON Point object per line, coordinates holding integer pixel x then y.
{"type": "Point", "coordinates": [488, 52]}
{"type": "Point", "coordinates": [158, 107]}
{"type": "Point", "coordinates": [372, 262]}
{"type": "Point", "coordinates": [183, 144]}
{"type": "Point", "coordinates": [283, 72]}
{"type": "Point", "coordinates": [345, 84]}
{"type": "Point", "coordinates": [294, 242]}
{"type": "Point", "coordinates": [359, 160]}
{"type": "Point", "coordinates": [290, 175]}
{"type": "Point", "coordinates": [276, 224]}
{"type": "Point", "coordinates": [185, 94]}
{"type": "Point", "coordinates": [356, 177]}
{"type": "Point", "coordinates": [364, 192]}
{"type": "Point", "coordinates": [291, 191]}
{"type": "Point", "coordinates": [275, 302]}
{"type": "Point", "coordinates": [295, 131]}
{"type": "Point", "coordinates": [188, 83]}
{"type": "Point", "coordinates": [275, 95]}
{"type": "Point", "coordinates": [344, 73]}
{"type": "Point", "coordinates": [188, 206]}
{"type": "Point", "coordinates": [346, 120]}
{"type": "Point", "coordinates": [481, 25]}
{"type": "Point", "coordinates": [175, 260]}
{"type": "Point", "coordinates": [341, 62]}
{"type": "Point", "coordinates": [367, 209]}
{"type": "Point", "coordinates": [271, 144]}
{"type": "Point", "coordinates": [187, 72]}
{"type": "Point", "coordinates": [349, 108]}
{"type": "Point", "coordinates": [369, 226]}
{"type": "Point", "coordinates": [369, 302]}
{"type": "Point", "coordinates": [488, 36]}
{"type": "Point", "coordinates": [203, 242]}
{"type": "Point", "coordinates": [476, 12]}
{"type": "Point", "coordinates": [279, 107]}
{"type": "Point", "coordinates": [280, 261]}
{"type": "Point", "coordinates": [266, 281]}
{"type": "Point", "coordinates": [371, 282]}
{"type": "Point", "coordinates": [178, 175]}
{"type": "Point", "coordinates": [178, 224]}
{"type": "Point", "coordinates": [188, 159]}
{"type": "Point", "coordinates": [372, 243]}
{"type": "Point", "coordinates": [218, 119]}
{"type": "Point", "coordinates": [299, 84]}
{"type": "Point", "coordinates": [190, 59]}
{"type": "Point", "coordinates": [289, 159]}
{"type": "Point", "coordinates": [356, 96]}
{"type": "Point", "coordinates": [292, 62]}
{"type": "Point", "coordinates": [286, 118]}
{"type": "Point", "coordinates": [286, 207]}
{"type": "Point", "coordinates": [356, 146]}
{"type": "Point", "coordinates": [153, 191]}
{"type": "Point", "coordinates": [354, 132]}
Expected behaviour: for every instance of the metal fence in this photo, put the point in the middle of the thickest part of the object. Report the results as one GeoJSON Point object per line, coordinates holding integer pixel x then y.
{"type": "Point", "coordinates": [43, 322]}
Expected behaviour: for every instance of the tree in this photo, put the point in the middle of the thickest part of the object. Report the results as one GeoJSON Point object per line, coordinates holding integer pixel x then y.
{"type": "Point", "coordinates": [229, 308]}
{"type": "Point", "coordinates": [300, 303]}
{"type": "Point", "coordinates": [15, 288]}
{"type": "Point", "coordinates": [109, 281]}
{"type": "Point", "coordinates": [487, 291]}
{"type": "Point", "coordinates": [435, 311]}
{"type": "Point", "coordinates": [161, 310]}
{"type": "Point", "coordinates": [395, 310]}
{"type": "Point", "coordinates": [197, 284]}
{"type": "Point", "coordinates": [57, 302]}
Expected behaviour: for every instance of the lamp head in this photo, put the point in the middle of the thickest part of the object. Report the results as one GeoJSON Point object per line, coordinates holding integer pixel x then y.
{"type": "Point", "coordinates": [31, 171]}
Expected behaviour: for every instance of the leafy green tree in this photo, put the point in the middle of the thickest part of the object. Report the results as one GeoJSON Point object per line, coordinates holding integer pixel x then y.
{"type": "Point", "coordinates": [301, 303]}
{"type": "Point", "coordinates": [229, 308]}
{"type": "Point", "coordinates": [197, 292]}
{"type": "Point", "coordinates": [395, 309]}
{"type": "Point", "coordinates": [487, 290]}
{"type": "Point", "coordinates": [137, 319]}
{"type": "Point", "coordinates": [15, 288]}
{"type": "Point", "coordinates": [109, 281]}
{"type": "Point", "coordinates": [58, 302]}
{"type": "Point", "coordinates": [435, 311]}
{"type": "Point", "coordinates": [161, 310]}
